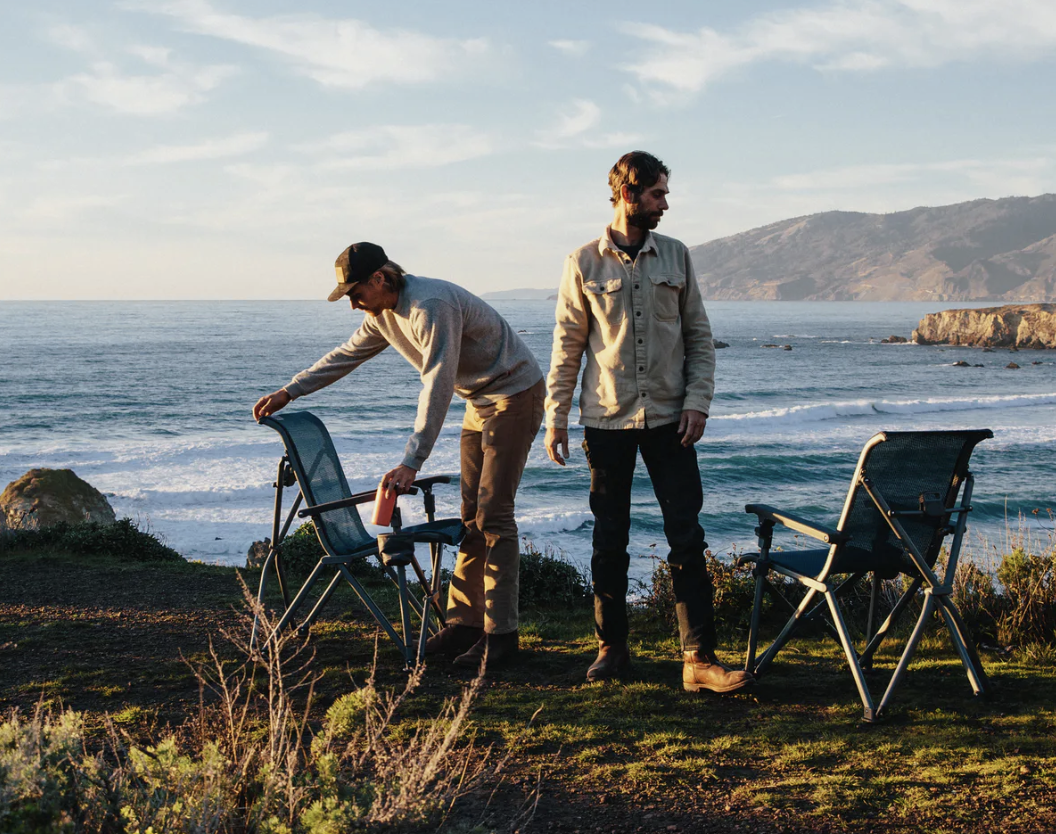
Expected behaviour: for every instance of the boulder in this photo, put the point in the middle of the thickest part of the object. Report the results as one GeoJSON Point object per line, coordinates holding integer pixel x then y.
{"type": "Point", "coordinates": [44, 497]}
{"type": "Point", "coordinates": [1014, 326]}
{"type": "Point", "coordinates": [258, 552]}
{"type": "Point", "coordinates": [1013, 366]}
{"type": "Point", "coordinates": [720, 345]}
{"type": "Point", "coordinates": [960, 363]}
{"type": "Point", "coordinates": [894, 340]}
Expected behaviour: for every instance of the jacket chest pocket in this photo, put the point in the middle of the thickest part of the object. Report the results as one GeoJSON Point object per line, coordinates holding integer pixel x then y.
{"type": "Point", "coordinates": [605, 297]}
{"type": "Point", "coordinates": [667, 291]}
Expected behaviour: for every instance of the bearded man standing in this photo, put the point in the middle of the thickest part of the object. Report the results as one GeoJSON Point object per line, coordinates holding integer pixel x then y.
{"type": "Point", "coordinates": [629, 305]}
{"type": "Point", "coordinates": [459, 344]}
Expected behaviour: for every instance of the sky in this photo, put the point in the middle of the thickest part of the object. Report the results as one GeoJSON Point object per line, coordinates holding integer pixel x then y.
{"type": "Point", "coordinates": [227, 149]}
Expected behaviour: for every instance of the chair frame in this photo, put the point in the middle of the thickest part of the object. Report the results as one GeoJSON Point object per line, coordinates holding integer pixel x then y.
{"type": "Point", "coordinates": [435, 532]}
{"type": "Point", "coordinates": [936, 591]}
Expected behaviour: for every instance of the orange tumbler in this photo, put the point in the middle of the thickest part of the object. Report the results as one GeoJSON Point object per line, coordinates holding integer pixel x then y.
{"type": "Point", "coordinates": [383, 506]}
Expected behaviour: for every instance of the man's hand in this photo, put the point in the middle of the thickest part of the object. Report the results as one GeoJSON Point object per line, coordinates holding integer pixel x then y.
{"type": "Point", "coordinates": [557, 445]}
{"type": "Point", "coordinates": [270, 403]}
{"type": "Point", "coordinates": [691, 426]}
{"type": "Point", "coordinates": [399, 479]}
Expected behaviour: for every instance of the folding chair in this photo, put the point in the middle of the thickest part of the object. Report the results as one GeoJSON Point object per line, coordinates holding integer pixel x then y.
{"type": "Point", "coordinates": [901, 506]}
{"type": "Point", "coordinates": [311, 462]}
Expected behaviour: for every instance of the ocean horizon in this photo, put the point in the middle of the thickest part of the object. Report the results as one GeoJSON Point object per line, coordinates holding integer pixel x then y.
{"type": "Point", "coordinates": [149, 401]}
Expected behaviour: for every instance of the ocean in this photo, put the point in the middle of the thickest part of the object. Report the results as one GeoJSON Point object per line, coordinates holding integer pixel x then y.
{"type": "Point", "coordinates": [150, 402]}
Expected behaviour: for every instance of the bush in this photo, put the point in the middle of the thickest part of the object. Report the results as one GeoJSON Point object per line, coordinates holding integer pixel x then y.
{"type": "Point", "coordinates": [250, 762]}
{"type": "Point", "coordinates": [549, 581]}
{"type": "Point", "coordinates": [121, 540]}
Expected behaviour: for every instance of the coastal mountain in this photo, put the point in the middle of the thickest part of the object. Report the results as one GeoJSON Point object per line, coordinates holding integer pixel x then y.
{"type": "Point", "coordinates": [983, 250]}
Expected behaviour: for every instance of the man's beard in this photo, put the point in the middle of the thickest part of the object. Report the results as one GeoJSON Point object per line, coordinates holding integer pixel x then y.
{"type": "Point", "coordinates": [641, 219]}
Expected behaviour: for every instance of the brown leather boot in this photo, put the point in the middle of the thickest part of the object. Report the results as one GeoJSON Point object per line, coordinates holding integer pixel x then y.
{"type": "Point", "coordinates": [453, 639]}
{"type": "Point", "coordinates": [702, 670]}
{"type": "Point", "coordinates": [500, 648]}
{"type": "Point", "coordinates": [612, 661]}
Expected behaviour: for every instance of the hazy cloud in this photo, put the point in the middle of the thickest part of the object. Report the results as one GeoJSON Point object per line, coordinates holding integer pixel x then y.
{"type": "Point", "coordinates": [388, 147]}
{"type": "Point", "coordinates": [576, 126]}
{"type": "Point", "coordinates": [989, 172]}
{"type": "Point", "coordinates": [856, 35]}
{"type": "Point", "coordinates": [64, 207]}
{"type": "Point", "coordinates": [345, 53]}
{"type": "Point", "coordinates": [229, 146]}
{"type": "Point", "coordinates": [576, 49]}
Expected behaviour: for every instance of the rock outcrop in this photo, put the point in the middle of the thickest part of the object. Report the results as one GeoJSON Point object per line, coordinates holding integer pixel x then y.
{"type": "Point", "coordinates": [43, 497]}
{"type": "Point", "coordinates": [1015, 326]}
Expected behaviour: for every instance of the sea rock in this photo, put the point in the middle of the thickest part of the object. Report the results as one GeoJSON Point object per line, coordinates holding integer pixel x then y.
{"type": "Point", "coordinates": [1014, 326]}
{"type": "Point", "coordinates": [720, 345]}
{"type": "Point", "coordinates": [258, 552]}
{"type": "Point", "coordinates": [786, 347]}
{"type": "Point", "coordinates": [1013, 366]}
{"type": "Point", "coordinates": [960, 363]}
{"type": "Point", "coordinates": [894, 340]}
{"type": "Point", "coordinates": [44, 497]}
{"type": "Point", "coordinates": [771, 346]}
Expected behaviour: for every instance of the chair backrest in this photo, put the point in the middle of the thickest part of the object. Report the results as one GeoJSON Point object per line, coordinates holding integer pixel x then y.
{"type": "Point", "coordinates": [902, 466]}
{"type": "Point", "coordinates": [321, 479]}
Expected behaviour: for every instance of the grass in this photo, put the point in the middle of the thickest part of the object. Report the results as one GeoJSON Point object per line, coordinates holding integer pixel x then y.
{"type": "Point", "coordinates": [105, 636]}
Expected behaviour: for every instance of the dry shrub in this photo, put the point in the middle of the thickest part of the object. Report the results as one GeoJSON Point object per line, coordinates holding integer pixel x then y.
{"type": "Point", "coordinates": [251, 760]}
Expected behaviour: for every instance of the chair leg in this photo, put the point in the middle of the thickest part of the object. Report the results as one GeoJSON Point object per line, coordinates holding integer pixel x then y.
{"type": "Point", "coordinates": [753, 628]}
{"type": "Point", "coordinates": [889, 623]}
{"type": "Point", "coordinates": [297, 600]}
{"type": "Point", "coordinates": [852, 658]}
{"type": "Point", "coordinates": [786, 632]}
{"type": "Point", "coordinates": [372, 607]}
{"type": "Point", "coordinates": [318, 607]}
{"type": "Point", "coordinates": [962, 642]}
{"type": "Point", "coordinates": [911, 647]}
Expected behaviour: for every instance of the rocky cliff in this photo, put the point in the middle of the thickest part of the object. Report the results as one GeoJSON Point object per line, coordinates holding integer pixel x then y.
{"type": "Point", "coordinates": [1000, 250]}
{"type": "Point", "coordinates": [1015, 325]}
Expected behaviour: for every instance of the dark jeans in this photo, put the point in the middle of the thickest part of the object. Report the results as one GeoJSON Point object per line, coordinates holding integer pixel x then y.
{"type": "Point", "coordinates": [673, 470]}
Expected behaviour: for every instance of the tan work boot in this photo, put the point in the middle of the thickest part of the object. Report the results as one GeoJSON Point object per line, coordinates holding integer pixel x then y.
{"type": "Point", "coordinates": [702, 670]}
{"type": "Point", "coordinates": [453, 639]}
{"type": "Point", "coordinates": [612, 661]}
{"type": "Point", "coordinates": [500, 648]}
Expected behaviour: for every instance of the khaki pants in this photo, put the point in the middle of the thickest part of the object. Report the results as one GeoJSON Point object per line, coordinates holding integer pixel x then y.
{"type": "Point", "coordinates": [495, 443]}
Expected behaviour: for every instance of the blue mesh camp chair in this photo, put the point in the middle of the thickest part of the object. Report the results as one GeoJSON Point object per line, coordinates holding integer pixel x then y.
{"type": "Point", "coordinates": [901, 506]}
{"type": "Point", "coordinates": [312, 464]}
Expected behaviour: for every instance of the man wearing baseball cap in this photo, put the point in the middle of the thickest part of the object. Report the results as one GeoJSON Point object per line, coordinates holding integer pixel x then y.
{"type": "Point", "coordinates": [459, 345]}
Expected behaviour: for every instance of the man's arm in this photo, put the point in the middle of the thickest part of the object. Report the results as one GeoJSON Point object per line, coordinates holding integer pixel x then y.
{"type": "Point", "coordinates": [438, 328]}
{"type": "Point", "coordinates": [570, 341]}
{"type": "Point", "coordinates": [365, 343]}
{"type": "Point", "coordinates": [699, 347]}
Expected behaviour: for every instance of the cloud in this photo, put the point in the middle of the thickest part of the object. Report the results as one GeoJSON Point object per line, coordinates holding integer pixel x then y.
{"type": "Point", "coordinates": [343, 53]}
{"type": "Point", "coordinates": [142, 95]}
{"type": "Point", "coordinates": [229, 146]}
{"type": "Point", "coordinates": [851, 36]}
{"type": "Point", "coordinates": [984, 172]}
{"type": "Point", "coordinates": [576, 49]}
{"type": "Point", "coordinates": [64, 207]}
{"type": "Point", "coordinates": [389, 147]}
{"type": "Point", "coordinates": [576, 125]}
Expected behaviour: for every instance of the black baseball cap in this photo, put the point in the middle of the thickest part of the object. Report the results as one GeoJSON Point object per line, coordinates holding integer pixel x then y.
{"type": "Point", "coordinates": [357, 263]}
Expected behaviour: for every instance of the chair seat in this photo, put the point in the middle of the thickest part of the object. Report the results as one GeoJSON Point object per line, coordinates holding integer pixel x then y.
{"type": "Point", "coordinates": [442, 531]}
{"type": "Point", "coordinates": [810, 562]}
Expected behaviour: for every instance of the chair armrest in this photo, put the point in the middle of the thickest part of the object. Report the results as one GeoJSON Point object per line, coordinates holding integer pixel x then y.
{"type": "Point", "coordinates": [426, 483]}
{"type": "Point", "coordinates": [351, 501]}
{"type": "Point", "coordinates": [801, 525]}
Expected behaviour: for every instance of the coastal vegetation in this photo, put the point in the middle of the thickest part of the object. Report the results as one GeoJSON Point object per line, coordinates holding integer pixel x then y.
{"type": "Point", "coordinates": [133, 705]}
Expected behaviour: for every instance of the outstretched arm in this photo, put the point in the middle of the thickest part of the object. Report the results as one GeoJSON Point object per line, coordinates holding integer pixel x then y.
{"type": "Point", "coordinates": [270, 403]}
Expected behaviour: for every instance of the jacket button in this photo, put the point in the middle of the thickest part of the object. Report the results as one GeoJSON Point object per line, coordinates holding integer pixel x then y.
{"type": "Point", "coordinates": [640, 341]}
{"type": "Point", "coordinates": [636, 286]}
{"type": "Point", "coordinates": [638, 313]}
{"type": "Point", "coordinates": [641, 368]}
